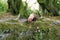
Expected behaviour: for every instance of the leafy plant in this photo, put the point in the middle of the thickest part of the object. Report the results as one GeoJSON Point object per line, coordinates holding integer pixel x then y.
{"type": "Point", "coordinates": [3, 7]}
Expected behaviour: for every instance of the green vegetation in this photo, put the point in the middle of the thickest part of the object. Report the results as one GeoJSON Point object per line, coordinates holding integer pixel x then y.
{"type": "Point", "coordinates": [3, 6]}
{"type": "Point", "coordinates": [50, 7]}
{"type": "Point", "coordinates": [36, 30]}
{"type": "Point", "coordinates": [32, 31]}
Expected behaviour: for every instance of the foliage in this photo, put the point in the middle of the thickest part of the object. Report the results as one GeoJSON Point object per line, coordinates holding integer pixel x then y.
{"type": "Point", "coordinates": [50, 6]}
{"type": "Point", "coordinates": [15, 6]}
{"type": "Point", "coordinates": [3, 7]}
{"type": "Point", "coordinates": [29, 31]}
{"type": "Point", "coordinates": [39, 30]}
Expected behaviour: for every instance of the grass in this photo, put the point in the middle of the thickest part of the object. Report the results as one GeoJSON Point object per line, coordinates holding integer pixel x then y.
{"type": "Point", "coordinates": [3, 7]}
{"type": "Point", "coordinates": [41, 31]}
